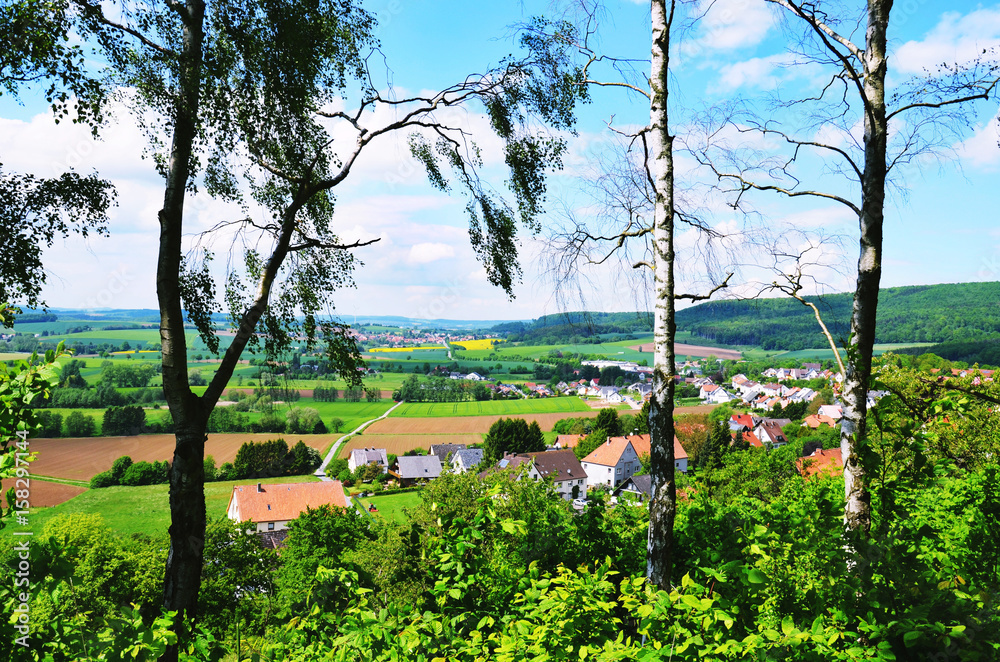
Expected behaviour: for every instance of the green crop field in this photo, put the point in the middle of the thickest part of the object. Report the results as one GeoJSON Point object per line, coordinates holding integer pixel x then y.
{"type": "Point", "coordinates": [390, 506]}
{"type": "Point", "coordinates": [827, 353]}
{"type": "Point", "coordinates": [490, 408]}
{"type": "Point", "coordinates": [146, 509]}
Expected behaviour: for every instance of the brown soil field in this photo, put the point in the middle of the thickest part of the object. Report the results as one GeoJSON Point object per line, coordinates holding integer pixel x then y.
{"type": "Point", "coordinates": [81, 458]}
{"type": "Point", "coordinates": [400, 443]}
{"type": "Point", "coordinates": [461, 424]}
{"type": "Point", "coordinates": [695, 350]}
{"type": "Point", "coordinates": [695, 409]}
{"type": "Point", "coordinates": [44, 493]}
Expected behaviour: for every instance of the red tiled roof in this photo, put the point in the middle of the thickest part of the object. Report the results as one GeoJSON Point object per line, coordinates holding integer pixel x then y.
{"type": "Point", "coordinates": [284, 501]}
{"type": "Point", "coordinates": [827, 461]}
{"type": "Point", "coordinates": [746, 420]}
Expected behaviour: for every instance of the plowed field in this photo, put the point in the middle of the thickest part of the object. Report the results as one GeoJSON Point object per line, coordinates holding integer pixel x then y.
{"type": "Point", "coordinates": [81, 458]}
{"type": "Point", "coordinates": [400, 443]}
{"type": "Point", "coordinates": [43, 493]}
{"type": "Point", "coordinates": [462, 424]}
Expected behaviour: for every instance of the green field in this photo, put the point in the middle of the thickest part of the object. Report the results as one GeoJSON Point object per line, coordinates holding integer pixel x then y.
{"type": "Point", "coordinates": [617, 350]}
{"type": "Point", "coordinates": [390, 506]}
{"type": "Point", "coordinates": [490, 407]}
{"type": "Point", "coordinates": [128, 510]}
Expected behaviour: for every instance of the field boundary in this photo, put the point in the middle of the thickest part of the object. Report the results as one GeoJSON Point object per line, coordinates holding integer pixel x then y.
{"type": "Point", "coordinates": [331, 454]}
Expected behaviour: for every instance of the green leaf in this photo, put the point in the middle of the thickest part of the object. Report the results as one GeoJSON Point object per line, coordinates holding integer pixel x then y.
{"type": "Point", "coordinates": [755, 576]}
{"type": "Point", "coordinates": [911, 637]}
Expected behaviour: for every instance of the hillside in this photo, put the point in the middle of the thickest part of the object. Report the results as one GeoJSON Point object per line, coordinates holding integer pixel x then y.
{"type": "Point", "coordinates": [961, 312]}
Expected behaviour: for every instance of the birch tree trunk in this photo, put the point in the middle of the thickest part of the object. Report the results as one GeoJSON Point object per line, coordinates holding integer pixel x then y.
{"type": "Point", "coordinates": [857, 510]}
{"type": "Point", "coordinates": [663, 506]}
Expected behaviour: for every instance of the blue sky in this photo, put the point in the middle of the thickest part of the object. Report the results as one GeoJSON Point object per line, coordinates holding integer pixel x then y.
{"type": "Point", "coordinates": [944, 229]}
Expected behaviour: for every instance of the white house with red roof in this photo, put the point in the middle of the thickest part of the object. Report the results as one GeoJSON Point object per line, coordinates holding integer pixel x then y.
{"type": "Point", "coordinates": [271, 507]}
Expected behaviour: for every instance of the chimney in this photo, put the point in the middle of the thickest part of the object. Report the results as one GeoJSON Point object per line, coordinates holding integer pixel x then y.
{"type": "Point", "coordinates": [260, 487]}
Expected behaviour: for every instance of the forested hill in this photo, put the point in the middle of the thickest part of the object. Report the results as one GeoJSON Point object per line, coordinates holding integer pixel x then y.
{"type": "Point", "coordinates": [959, 312]}
{"type": "Point", "coordinates": [575, 326]}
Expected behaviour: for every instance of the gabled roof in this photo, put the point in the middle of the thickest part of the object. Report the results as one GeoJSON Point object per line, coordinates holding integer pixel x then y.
{"type": "Point", "coordinates": [362, 456]}
{"type": "Point", "coordinates": [560, 465]}
{"type": "Point", "coordinates": [419, 466]}
{"type": "Point", "coordinates": [640, 484]}
{"type": "Point", "coordinates": [642, 444]}
{"type": "Point", "coordinates": [609, 453]}
{"type": "Point", "coordinates": [468, 457]}
{"type": "Point", "coordinates": [284, 501]}
{"type": "Point", "coordinates": [443, 450]}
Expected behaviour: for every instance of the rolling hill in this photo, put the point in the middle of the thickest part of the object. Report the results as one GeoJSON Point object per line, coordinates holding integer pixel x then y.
{"type": "Point", "coordinates": [960, 312]}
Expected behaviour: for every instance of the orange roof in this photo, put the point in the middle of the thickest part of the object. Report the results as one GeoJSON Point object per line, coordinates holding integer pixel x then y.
{"type": "Point", "coordinates": [746, 420]}
{"type": "Point", "coordinates": [284, 501]}
{"type": "Point", "coordinates": [642, 445]}
{"type": "Point", "coordinates": [609, 452]}
{"type": "Point", "coordinates": [817, 420]}
{"type": "Point", "coordinates": [827, 461]}
{"type": "Point", "coordinates": [568, 440]}
{"type": "Point", "coordinates": [749, 437]}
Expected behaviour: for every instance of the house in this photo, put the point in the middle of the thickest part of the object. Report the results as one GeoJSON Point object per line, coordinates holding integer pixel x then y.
{"type": "Point", "coordinates": [817, 420]}
{"type": "Point", "coordinates": [770, 431]}
{"type": "Point", "coordinates": [362, 456]}
{"type": "Point", "coordinates": [444, 450]}
{"type": "Point", "coordinates": [642, 445]}
{"type": "Point", "coordinates": [639, 488]}
{"type": "Point", "coordinates": [272, 507]}
{"type": "Point", "coordinates": [611, 462]}
{"type": "Point", "coordinates": [827, 461]}
{"type": "Point", "coordinates": [475, 376]}
{"type": "Point", "coordinates": [836, 412]}
{"type": "Point", "coordinates": [562, 467]}
{"type": "Point", "coordinates": [707, 390]}
{"type": "Point", "coordinates": [564, 441]}
{"type": "Point", "coordinates": [412, 469]}
{"type": "Point", "coordinates": [466, 459]}
{"type": "Point", "coordinates": [743, 422]}
{"type": "Point", "coordinates": [720, 396]}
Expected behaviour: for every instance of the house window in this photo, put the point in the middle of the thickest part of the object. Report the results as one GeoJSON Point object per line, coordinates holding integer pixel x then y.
{"type": "Point", "coordinates": [270, 525]}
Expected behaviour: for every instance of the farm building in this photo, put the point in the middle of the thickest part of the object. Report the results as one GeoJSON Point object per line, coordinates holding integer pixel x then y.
{"type": "Point", "coordinates": [272, 507]}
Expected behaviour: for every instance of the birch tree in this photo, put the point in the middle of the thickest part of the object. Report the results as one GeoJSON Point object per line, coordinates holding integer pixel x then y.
{"type": "Point", "coordinates": [897, 127]}
{"type": "Point", "coordinates": [639, 202]}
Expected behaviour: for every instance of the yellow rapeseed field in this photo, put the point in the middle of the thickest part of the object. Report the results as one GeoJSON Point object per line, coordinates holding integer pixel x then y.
{"type": "Point", "coordinates": [477, 344]}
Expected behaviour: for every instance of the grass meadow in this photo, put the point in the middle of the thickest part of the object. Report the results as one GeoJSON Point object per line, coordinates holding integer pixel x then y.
{"type": "Point", "coordinates": [390, 506]}
{"type": "Point", "coordinates": [490, 407]}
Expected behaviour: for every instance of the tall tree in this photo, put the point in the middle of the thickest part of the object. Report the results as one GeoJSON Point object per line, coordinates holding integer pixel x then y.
{"type": "Point", "coordinates": [247, 93]}
{"type": "Point", "coordinates": [639, 194]}
{"type": "Point", "coordinates": [934, 107]}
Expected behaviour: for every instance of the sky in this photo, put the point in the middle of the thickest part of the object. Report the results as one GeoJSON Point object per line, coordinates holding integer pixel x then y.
{"type": "Point", "coordinates": [941, 218]}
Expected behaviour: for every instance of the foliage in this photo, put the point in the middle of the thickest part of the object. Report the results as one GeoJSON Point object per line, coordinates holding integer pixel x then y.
{"type": "Point", "coordinates": [33, 212]}
{"type": "Point", "coordinates": [318, 537]}
{"type": "Point", "coordinates": [512, 435]}
{"type": "Point", "coordinates": [123, 421]}
{"type": "Point", "coordinates": [607, 419]}
{"type": "Point", "coordinates": [237, 582]}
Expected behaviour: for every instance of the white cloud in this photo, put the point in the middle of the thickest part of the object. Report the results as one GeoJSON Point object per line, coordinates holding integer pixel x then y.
{"type": "Point", "coordinates": [428, 252]}
{"type": "Point", "coordinates": [729, 24]}
{"type": "Point", "coordinates": [981, 149]}
{"type": "Point", "coordinates": [956, 38]}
